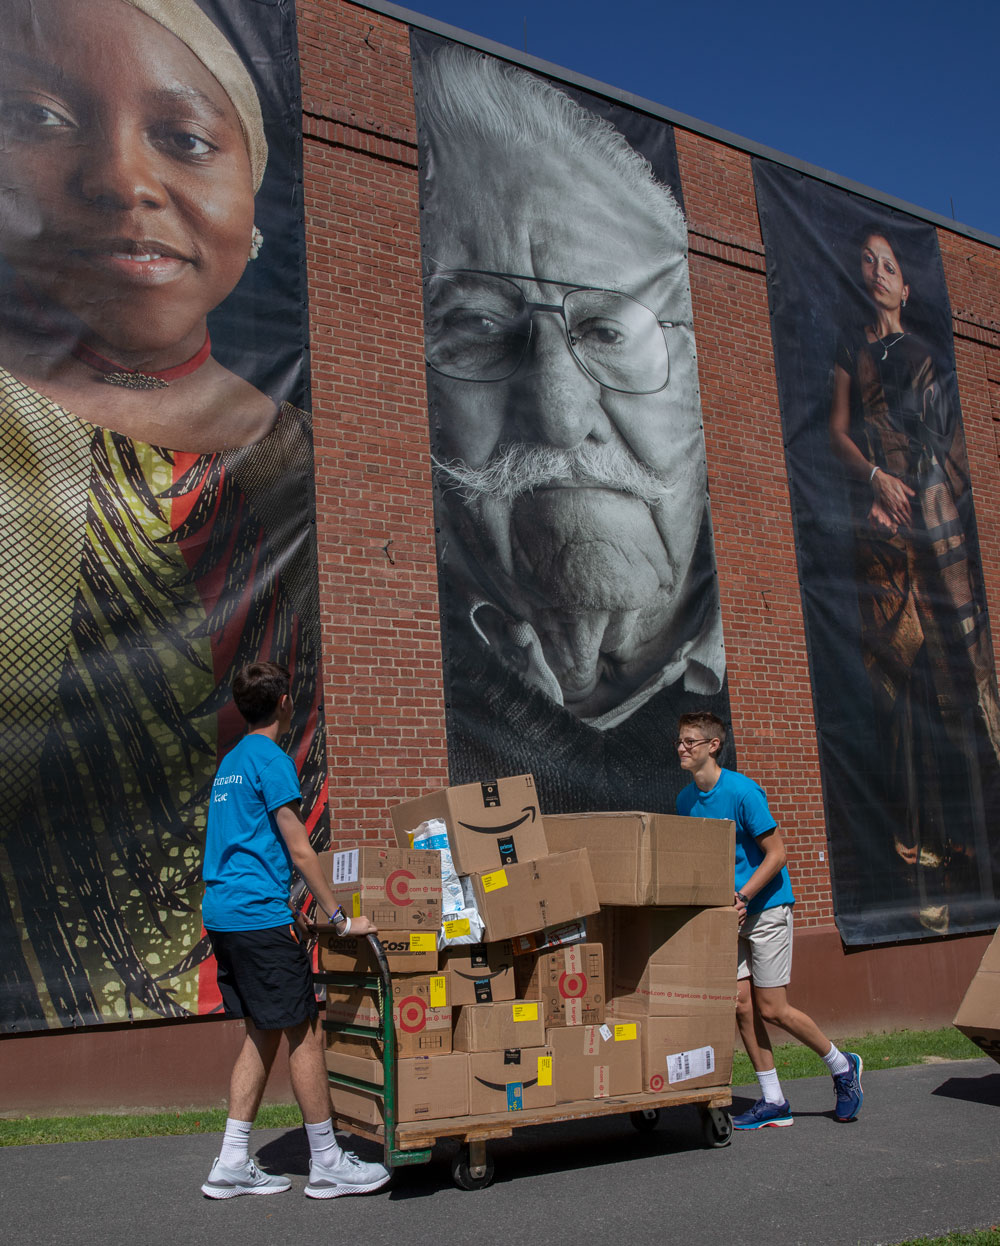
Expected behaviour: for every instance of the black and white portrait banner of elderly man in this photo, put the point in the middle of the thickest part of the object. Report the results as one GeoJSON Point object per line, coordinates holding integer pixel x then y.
{"type": "Point", "coordinates": [577, 574]}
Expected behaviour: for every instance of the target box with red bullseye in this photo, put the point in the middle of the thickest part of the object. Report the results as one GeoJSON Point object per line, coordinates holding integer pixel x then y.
{"type": "Point", "coordinates": [489, 824]}
{"type": "Point", "coordinates": [398, 888]}
{"type": "Point", "coordinates": [568, 982]}
{"type": "Point", "coordinates": [421, 1014]}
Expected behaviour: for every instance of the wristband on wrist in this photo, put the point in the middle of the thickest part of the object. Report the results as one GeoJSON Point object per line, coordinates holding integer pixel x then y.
{"type": "Point", "coordinates": [871, 475]}
{"type": "Point", "coordinates": [347, 928]}
{"type": "Point", "coordinates": [742, 898]}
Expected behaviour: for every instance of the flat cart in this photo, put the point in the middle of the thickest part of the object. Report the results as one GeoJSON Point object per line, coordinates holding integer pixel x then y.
{"type": "Point", "coordinates": [472, 1168]}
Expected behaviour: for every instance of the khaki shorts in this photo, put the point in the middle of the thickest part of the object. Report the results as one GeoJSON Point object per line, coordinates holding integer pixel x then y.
{"type": "Point", "coordinates": [765, 947]}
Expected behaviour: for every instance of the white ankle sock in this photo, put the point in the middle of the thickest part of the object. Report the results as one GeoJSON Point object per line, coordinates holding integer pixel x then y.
{"type": "Point", "coordinates": [770, 1087]}
{"type": "Point", "coordinates": [836, 1061]}
{"type": "Point", "coordinates": [236, 1143]}
{"type": "Point", "coordinates": [323, 1146]}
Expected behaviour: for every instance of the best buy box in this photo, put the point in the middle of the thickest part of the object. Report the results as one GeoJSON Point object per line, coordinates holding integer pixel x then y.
{"type": "Point", "coordinates": [426, 1089]}
{"type": "Point", "coordinates": [525, 897]}
{"type": "Point", "coordinates": [978, 1016]}
{"type": "Point", "coordinates": [407, 951]}
{"type": "Point", "coordinates": [596, 1061]}
{"type": "Point", "coordinates": [421, 1013]}
{"type": "Point", "coordinates": [488, 824]}
{"type": "Point", "coordinates": [569, 983]}
{"type": "Point", "coordinates": [398, 888]}
{"type": "Point", "coordinates": [684, 1053]}
{"type": "Point", "coordinates": [508, 1081]}
{"type": "Point", "coordinates": [492, 1027]}
{"type": "Point", "coordinates": [480, 973]}
{"type": "Point", "coordinates": [674, 962]}
{"type": "Point", "coordinates": [651, 858]}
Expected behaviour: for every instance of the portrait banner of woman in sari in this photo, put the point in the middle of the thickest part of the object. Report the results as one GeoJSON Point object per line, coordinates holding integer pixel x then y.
{"type": "Point", "coordinates": [901, 657]}
{"type": "Point", "coordinates": [157, 477]}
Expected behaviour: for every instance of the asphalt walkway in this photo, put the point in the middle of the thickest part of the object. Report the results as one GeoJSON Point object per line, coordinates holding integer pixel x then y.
{"type": "Point", "coordinates": [922, 1159]}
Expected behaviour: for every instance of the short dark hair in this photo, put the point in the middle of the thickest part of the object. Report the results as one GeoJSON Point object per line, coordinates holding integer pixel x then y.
{"type": "Point", "coordinates": [712, 725]}
{"type": "Point", "coordinates": [258, 689]}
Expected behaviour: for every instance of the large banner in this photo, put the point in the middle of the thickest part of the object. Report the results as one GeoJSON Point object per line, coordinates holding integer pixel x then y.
{"type": "Point", "coordinates": [578, 593]}
{"type": "Point", "coordinates": [155, 477]}
{"type": "Point", "coordinates": [904, 683]}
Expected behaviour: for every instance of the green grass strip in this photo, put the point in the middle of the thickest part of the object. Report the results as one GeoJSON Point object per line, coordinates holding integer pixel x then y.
{"type": "Point", "coordinates": [976, 1237]}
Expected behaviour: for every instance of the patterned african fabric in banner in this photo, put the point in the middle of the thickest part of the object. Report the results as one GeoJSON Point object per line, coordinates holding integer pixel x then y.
{"type": "Point", "coordinates": [580, 610]}
{"type": "Point", "coordinates": [901, 658]}
{"type": "Point", "coordinates": [156, 501]}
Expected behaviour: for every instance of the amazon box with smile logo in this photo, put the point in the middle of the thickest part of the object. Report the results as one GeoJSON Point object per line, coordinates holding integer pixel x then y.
{"type": "Point", "coordinates": [480, 973]}
{"type": "Point", "coordinates": [489, 824]}
{"type": "Point", "coordinates": [510, 1081]}
{"type": "Point", "coordinates": [398, 889]}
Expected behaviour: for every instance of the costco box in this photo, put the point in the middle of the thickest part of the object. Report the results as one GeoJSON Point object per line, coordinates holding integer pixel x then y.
{"type": "Point", "coordinates": [651, 858]}
{"type": "Point", "coordinates": [674, 962]}
{"type": "Point", "coordinates": [399, 889]}
{"type": "Point", "coordinates": [508, 1081]}
{"type": "Point", "coordinates": [480, 973]}
{"type": "Point", "coordinates": [492, 1027]}
{"type": "Point", "coordinates": [420, 1012]}
{"type": "Point", "coordinates": [979, 1014]}
{"type": "Point", "coordinates": [569, 982]}
{"type": "Point", "coordinates": [596, 1061]}
{"type": "Point", "coordinates": [407, 951]}
{"type": "Point", "coordinates": [425, 1089]}
{"type": "Point", "coordinates": [488, 824]}
{"type": "Point", "coordinates": [685, 1053]}
{"type": "Point", "coordinates": [518, 899]}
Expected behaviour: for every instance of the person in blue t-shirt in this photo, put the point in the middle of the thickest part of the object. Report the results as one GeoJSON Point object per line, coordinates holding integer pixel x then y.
{"type": "Point", "coordinates": [763, 900]}
{"type": "Point", "coordinates": [255, 838]}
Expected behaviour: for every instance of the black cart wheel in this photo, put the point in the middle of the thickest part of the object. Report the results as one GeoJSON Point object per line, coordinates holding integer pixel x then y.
{"type": "Point", "coordinates": [645, 1121]}
{"type": "Point", "coordinates": [717, 1127]}
{"type": "Point", "coordinates": [469, 1176]}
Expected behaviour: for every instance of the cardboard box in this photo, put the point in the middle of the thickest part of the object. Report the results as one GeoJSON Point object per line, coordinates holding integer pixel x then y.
{"type": "Point", "coordinates": [569, 983]}
{"type": "Point", "coordinates": [426, 1089]}
{"type": "Point", "coordinates": [507, 1081]}
{"type": "Point", "coordinates": [493, 1027]}
{"type": "Point", "coordinates": [420, 1012]}
{"type": "Point", "coordinates": [488, 824]}
{"type": "Point", "coordinates": [399, 889]}
{"type": "Point", "coordinates": [480, 973]}
{"type": "Point", "coordinates": [684, 1053]}
{"type": "Point", "coordinates": [674, 962]}
{"type": "Point", "coordinates": [596, 1061]}
{"type": "Point", "coordinates": [407, 951]}
{"type": "Point", "coordinates": [978, 1016]}
{"type": "Point", "coordinates": [651, 858]}
{"type": "Point", "coordinates": [519, 899]}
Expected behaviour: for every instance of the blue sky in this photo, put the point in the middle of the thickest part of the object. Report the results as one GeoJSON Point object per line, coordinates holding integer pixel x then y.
{"type": "Point", "coordinates": [902, 97]}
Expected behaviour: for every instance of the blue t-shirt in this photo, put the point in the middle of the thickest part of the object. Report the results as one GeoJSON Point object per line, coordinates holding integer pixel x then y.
{"type": "Point", "coordinates": [740, 800]}
{"type": "Point", "coordinates": [247, 869]}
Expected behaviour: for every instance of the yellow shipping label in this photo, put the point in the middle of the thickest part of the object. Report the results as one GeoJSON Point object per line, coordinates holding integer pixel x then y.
{"type": "Point", "coordinates": [494, 881]}
{"type": "Point", "coordinates": [356, 904]}
{"type": "Point", "coordinates": [439, 992]}
{"type": "Point", "coordinates": [425, 941]}
{"type": "Point", "coordinates": [525, 1012]}
{"type": "Point", "coordinates": [624, 1032]}
{"type": "Point", "coordinates": [457, 928]}
{"type": "Point", "coordinates": [545, 1070]}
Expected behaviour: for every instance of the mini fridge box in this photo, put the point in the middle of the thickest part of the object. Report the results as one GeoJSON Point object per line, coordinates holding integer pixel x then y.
{"type": "Point", "coordinates": [426, 1089]}
{"type": "Point", "coordinates": [511, 1080]}
{"type": "Point", "coordinates": [406, 951]}
{"type": "Point", "coordinates": [978, 1016]}
{"type": "Point", "coordinates": [596, 1061]}
{"type": "Point", "coordinates": [421, 1014]}
{"type": "Point", "coordinates": [488, 824]}
{"type": "Point", "coordinates": [569, 982]}
{"type": "Point", "coordinates": [398, 888]}
{"type": "Point", "coordinates": [651, 858]}
{"type": "Point", "coordinates": [493, 1027]}
{"type": "Point", "coordinates": [674, 962]}
{"type": "Point", "coordinates": [685, 1053]}
{"type": "Point", "coordinates": [530, 895]}
{"type": "Point", "coordinates": [480, 973]}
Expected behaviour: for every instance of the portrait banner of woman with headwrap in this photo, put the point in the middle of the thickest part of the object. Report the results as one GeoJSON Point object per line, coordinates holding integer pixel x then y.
{"type": "Point", "coordinates": [156, 478]}
{"type": "Point", "coordinates": [901, 657]}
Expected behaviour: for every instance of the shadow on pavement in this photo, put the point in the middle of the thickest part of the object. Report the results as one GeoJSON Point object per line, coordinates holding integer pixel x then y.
{"type": "Point", "coordinates": [972, 1089]}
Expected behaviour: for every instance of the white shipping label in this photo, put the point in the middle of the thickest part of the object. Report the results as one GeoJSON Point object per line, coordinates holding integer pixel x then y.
{"type": "Point", "coordinates": [605, 1033]}
{"type": "Point", "coordinates": [345, 866]}
{"type": "Point", "coordinates": [687, 1064]}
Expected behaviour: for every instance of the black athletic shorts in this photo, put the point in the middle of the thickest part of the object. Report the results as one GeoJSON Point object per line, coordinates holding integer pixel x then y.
{"type": "Point", "coordinates": [264, 975]}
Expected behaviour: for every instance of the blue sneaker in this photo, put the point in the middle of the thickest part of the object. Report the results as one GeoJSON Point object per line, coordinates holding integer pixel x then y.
{"type": "Point", "coordinates": [848, 1088]}
{"type": "Point", "coordinates": [763, 1114]}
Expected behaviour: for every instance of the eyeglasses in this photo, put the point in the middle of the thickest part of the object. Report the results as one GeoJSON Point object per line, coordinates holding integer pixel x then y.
{"type": "Point", "coordinates": [689, 742]}
{"type": "Point", "coordinates": [478, 325]}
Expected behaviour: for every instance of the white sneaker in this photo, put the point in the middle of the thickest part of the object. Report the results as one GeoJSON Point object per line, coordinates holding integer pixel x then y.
{"type": "Point", "coordinates": [349, 1175]}
{"type": "Point", "coordinates": [226, 1182]}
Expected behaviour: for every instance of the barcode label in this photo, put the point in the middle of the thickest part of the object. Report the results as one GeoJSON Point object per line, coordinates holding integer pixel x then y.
{"type": "Point", "coordinates": [345, 867]}
{"type": "Point", "coordinates": [684, 1065]}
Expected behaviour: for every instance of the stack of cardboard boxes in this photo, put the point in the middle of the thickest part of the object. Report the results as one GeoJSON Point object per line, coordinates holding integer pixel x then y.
{"type": "Point", "coordinates": [581, 989]}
